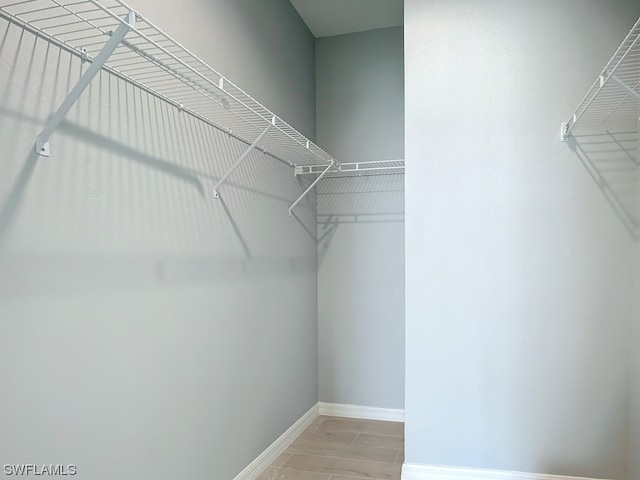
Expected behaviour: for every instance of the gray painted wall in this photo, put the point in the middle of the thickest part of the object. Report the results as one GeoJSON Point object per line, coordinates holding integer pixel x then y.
{"type": "Point", "coordinates": [518, 284]}
{"type": "Point", "coordinates": [264, 47]}
{"type": "Point", "coordinates": [359, 99]}
{"type": "Point", "coordinates": [148, 330]}
{"type": "Point", "coordinates": [360, 116]}
{"type": "Point", "coordinates": [634, 410]}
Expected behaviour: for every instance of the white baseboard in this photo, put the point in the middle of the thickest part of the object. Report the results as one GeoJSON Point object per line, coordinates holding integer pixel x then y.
{"type": "Point", "coordinates": [433, 472]}
{"type": "Point", "coordinates": [272, 452]}
{"type": "Point", "coordinates": [358, 411]}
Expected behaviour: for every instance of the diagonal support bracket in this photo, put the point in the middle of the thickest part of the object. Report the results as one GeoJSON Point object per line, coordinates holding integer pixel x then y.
{"type": "Point", "coordinates": [626, 87]}
{"type": "Point", "coordinates": [304, 194]}
{"type": "Point", "coordinates": [42, 140]}
{"type": "Point", "coordinates": [216, 192]}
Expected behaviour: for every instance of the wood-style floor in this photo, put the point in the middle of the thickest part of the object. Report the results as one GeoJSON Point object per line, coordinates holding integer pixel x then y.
{"type": "Point", "coordinates": [342, 449]}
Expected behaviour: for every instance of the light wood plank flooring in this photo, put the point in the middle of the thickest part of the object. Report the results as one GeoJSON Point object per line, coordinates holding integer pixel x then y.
{"type": "Point", "coordinates": [335, 448]}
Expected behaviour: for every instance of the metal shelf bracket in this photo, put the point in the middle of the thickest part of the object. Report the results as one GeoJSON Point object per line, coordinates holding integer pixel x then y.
{"type": "Point", "coordinates": [216, 188]}
{"type": "Point", "coordinates": [313, 184]}
{"type": "Point", "coordinates": [42, 141]}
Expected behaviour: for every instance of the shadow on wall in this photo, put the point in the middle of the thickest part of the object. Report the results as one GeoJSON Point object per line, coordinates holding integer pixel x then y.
{"type": "Point", "coordinates": [611, 158]}
{"type": "Point", "coordinates": [357, 200]}
{"type": "Point", "coordinates": [130, 175]}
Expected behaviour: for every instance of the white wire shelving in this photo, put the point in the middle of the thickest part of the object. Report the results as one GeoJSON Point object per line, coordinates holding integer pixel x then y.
{"type": "Point", "coordinates": [155, 62]}
{"type": "Point", "coordinates": [112, 36]}
{"type": "Point", "coordinates": [614, 98]}
{"type": "Point", "coordinates": [604, 133]}
{"type": "Point", "coordinates": [355, 169]}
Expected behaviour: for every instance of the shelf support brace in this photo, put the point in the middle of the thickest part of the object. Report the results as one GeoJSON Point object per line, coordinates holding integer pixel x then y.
{"type": "Point", "coordinates": [304, 194]}
{"type": "Point", "coordinates": [42, 140]}
{"type": "Point", "coordinates": [216, 193]}
{"type": "Point", "coordinates": [629, 90]}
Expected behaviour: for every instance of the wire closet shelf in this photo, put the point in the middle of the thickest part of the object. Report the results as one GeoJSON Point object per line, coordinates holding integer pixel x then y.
{"type": "Point", "coordinates": [614, 98]}
{"type": "Point", "coordinates": [355, 169]}
{"type": "Point", "coordinates": [155, 62]}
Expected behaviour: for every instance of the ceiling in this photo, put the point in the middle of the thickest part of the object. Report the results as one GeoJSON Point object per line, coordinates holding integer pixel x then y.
{"type": "Point", "coordinates": [336, 17]}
